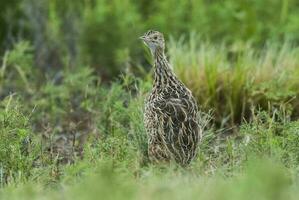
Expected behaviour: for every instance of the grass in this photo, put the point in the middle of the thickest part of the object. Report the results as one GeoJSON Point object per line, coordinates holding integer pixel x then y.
{"type": "Point", "coordinates": [69, 136]}
{"type": "Point", "coordinates": [232, 80]}
{"type": "Point", "coordinates": [110, 178]}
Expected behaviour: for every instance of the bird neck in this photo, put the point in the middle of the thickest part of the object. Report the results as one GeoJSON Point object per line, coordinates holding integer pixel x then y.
{"type": "Point", "coordinates": [163, 73]}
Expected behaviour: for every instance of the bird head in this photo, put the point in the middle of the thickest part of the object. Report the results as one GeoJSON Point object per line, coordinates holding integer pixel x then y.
{"type": "Point", "coordinates": [154, 40]}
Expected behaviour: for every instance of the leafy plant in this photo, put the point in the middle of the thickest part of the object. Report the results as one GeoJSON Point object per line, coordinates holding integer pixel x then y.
{"type": "Point", "coordinates": [18, 150]}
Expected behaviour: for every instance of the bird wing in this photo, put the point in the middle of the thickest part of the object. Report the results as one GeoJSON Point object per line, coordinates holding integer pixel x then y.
{"type": "Point", "coordinates": [179, 126]}
{"type": "Point", "coordinates": [178, 115]}
{"type": "Point", "coordinates": [177, 108]}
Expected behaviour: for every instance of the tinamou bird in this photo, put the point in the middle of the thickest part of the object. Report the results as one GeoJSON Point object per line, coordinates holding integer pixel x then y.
{"type": "Point", "coordinates": [171, 112]}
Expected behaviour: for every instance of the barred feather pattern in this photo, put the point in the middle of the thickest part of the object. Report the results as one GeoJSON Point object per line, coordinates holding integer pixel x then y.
{"type": "Point", "coordinates": [171, 116]}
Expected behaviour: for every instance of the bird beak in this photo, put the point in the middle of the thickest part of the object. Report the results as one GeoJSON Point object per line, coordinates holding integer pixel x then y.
{"type": "Point", "coordinates": [142, 38]}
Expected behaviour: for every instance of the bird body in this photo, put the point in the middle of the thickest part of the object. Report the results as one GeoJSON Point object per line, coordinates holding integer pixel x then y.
{"type": "Point", "coordinates": [171, 112]}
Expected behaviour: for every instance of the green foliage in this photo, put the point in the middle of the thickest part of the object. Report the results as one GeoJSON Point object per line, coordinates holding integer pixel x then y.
{"type": "Point", "coordinates": [231, 81]}
{"type": "Point", "coordinates": [114, 26]}
{"type": "Point", "coordinates": [65, 133]}
{"type": "Point", "coordinates": [122, 110]}
{"type": "Point", "coordinates": [59, 100]}
{"type": "Point", "coordinates": [17, 150]}
{"type": "Point", "coordinates": [263, 179]}
{"type": "Point", "coordinates": [104, 34]}
{"type": "Point", "coordinates": [9, 16]}
{"type": "Point", "coordinates": [17, 65]}
{"type": "Point", "coordinates": [272, 135]}
{"type": "Point", "coordinates": [98, 129]}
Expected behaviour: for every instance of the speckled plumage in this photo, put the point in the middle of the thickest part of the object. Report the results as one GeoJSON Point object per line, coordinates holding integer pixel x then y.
{"type": "Point", "coordinates": [171, 112]}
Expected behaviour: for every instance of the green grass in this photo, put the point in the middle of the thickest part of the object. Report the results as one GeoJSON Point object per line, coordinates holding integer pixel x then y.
{"type": "Point", "coordinates": [109, 178]}
{"type": "Point", "coordinates": [72, 128]}
{"type": "Point", "coordinates": [232, 80]}
{"type": "Point", "coordinates": [67, 135]}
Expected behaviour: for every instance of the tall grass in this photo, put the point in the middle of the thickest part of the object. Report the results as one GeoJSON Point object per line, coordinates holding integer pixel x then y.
{"type": "Point", "coordinates": [17, 150]}
{"type": "Point", "coordinates": [231, 80]}
{"type": "Point", "coordinates": [66, 134]}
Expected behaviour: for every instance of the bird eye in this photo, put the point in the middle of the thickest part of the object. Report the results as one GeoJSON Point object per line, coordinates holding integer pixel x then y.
{"type": "Point", "coordinates": [155, 37]}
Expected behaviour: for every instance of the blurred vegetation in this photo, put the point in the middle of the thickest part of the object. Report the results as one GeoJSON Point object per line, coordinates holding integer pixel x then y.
{"type": "Point", "coordinates": [103, 34]}
{"type": "Point", "coordinates": [233, 81]}
{"type": "Point", "coordinates": [73, 78]}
